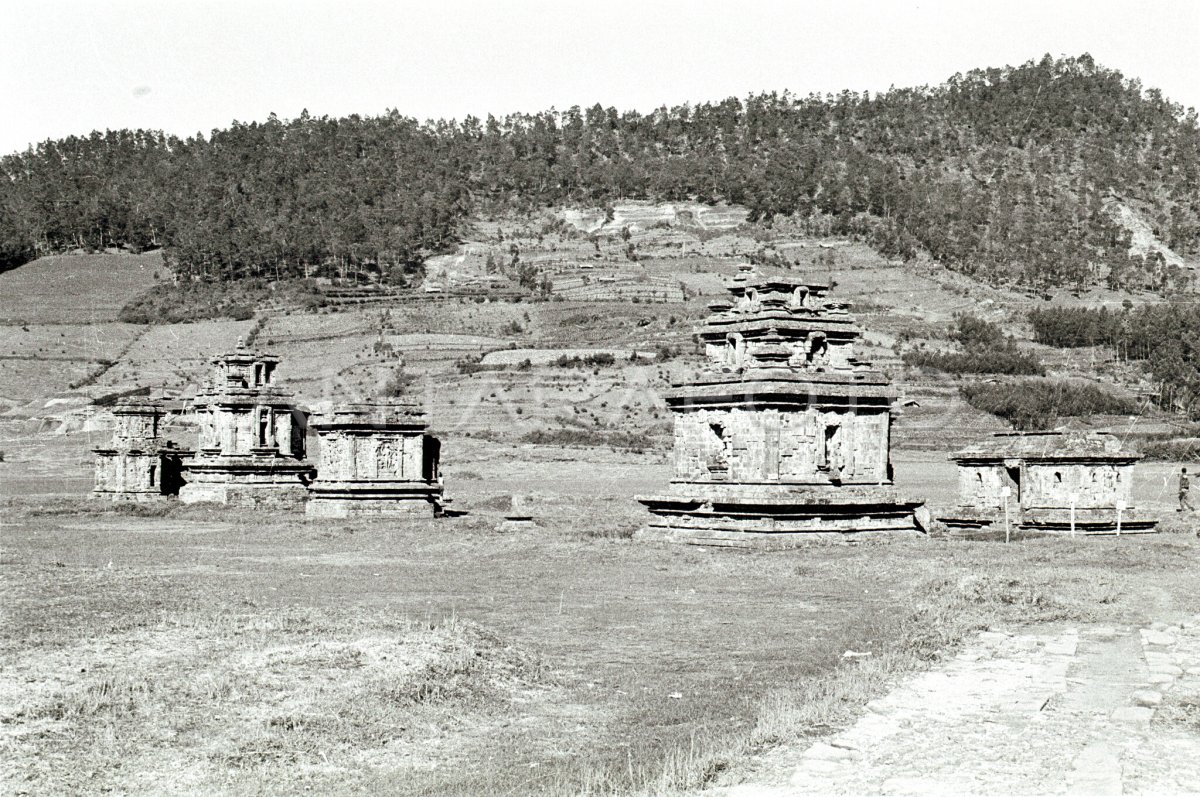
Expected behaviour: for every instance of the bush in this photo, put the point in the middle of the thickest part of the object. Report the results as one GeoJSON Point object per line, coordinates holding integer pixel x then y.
{"type": "Point", "coordinates": [1030, 404]}
{"type": "Point", "coordinates": [398, 383]}
{"type": "Point", "coordinates": [1173, 450]}
{"type": "Point", "coordinates": [584, 437]}
{"type": "Point", "coordinates": [204, 301]}
{"type": "Point", "coordinates": [587, 361]}
{"type": "Point", "coordinates": [1075, 327]}
{"type": "Point", "coordinates": [475, 365]}
{"type": "Point", "coordinates": [1009, 361]}
{"type": "Point", "coordinates": [986, 350]}
{"type": "Point", "coordinates": [665, 353]}
{"type": "Point", "coordinates": [971, 332]}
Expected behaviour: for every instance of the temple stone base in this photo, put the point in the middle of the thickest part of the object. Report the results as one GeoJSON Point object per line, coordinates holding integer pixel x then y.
{"type": "Point", "coordinates": [281, 483]}
{"type": "Point", "coordinates": [1091, 522]}
{"type": "Point", "coordinates": [780, 516]}
{"type": "Point", "coordinates": [129, 496]}
{"type": "Point", "coordinates": [257, 495]}
{"type": "Point", "coordinates": [376, 499]}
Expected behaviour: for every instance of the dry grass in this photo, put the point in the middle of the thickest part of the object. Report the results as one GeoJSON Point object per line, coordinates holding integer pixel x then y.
{"type": "Point", "coordinates": [945, 610]}
{"type": "Point", "coordinates": [1180, 710]}
{"type": "Point", "coordinates": [73, 289]}
{"type": "Point", "coordinates": [229, 656]}
{"type": "Point", "coordinates": [257, 696]}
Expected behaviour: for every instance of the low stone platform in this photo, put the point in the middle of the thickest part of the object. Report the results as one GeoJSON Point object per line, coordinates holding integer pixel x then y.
{"type": "Point", "coordinates": [782, 516]}
{"type": "Point", "coordinates": [247, 481]}
{"type": "Point", "coordinates": [402, 499]}
{"type": "Point", "coordinates": [1090, 522]}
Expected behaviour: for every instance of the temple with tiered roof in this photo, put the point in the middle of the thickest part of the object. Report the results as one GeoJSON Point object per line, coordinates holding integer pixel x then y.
{"type": "Point", "coordinates": [252, 436]}
{"type": "Point", "coordinates": [785, 437]}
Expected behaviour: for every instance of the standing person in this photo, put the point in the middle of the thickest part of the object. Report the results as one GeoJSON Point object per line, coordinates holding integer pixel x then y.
{"type": "Point", "coordinates": [1185, 487]}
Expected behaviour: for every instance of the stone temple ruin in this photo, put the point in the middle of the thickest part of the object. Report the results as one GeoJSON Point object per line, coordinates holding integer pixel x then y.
{"type": "Point", "coordinates": [139, 465]}
{"type": "Point", "coordinates": [786, 436]}
{"type": "Point", "coordinates": [1077, 482]}
{"type": "Point", "coordinates": [375, 459]}
{"type": "Point", "coordinates": [252, 436]}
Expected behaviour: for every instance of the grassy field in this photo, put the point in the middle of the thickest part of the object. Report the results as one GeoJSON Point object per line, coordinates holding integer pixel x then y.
{"type": "Point", "coordinates": [195, 651]}
{"type": "Point", "coordinates": [76, 289]}
{"type": "Point", "coordinates": [200, 651]}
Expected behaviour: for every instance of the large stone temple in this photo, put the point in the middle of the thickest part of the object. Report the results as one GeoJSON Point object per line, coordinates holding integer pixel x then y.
{"type": "Point", "coordinates": [786, 436]}
{"type": "Point", "coordinates": [252, 436]}
{"type": "Point", "coordinates": [375, 459]}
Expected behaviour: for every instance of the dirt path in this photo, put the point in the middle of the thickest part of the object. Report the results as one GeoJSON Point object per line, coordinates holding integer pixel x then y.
{"type": "Point", "coordinates": [1065, 712]}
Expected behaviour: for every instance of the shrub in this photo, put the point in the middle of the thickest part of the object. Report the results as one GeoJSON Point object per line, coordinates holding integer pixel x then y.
{"type": "Point", "coordinates": [1173, 450]}
{"type": "Point", "coordinates": [665, 353]}
{"type": "Point", "coordinates": [398, 383]}
{"type": "Point", "coordinates": [583, 437]}
{"type": "Point", "coordinates": [970, 332]}
{"type": "Point", "coordinates": [1030, 404]}
{"type": "Point", "coordinates": [474, 365]}
{"type": "Point", "coordinates": [1075, 327]}
{"type": "Point", "coordinates": [203, 301]}
{"type": "Point", "coordinates": [586, 361]}
{"type": "Point", "coordinates": [986, 350]}
{"type": "Point", "coordinates": [1009, 361]}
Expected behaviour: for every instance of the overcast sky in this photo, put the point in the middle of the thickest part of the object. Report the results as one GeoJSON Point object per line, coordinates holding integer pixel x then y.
{"type": "Point", "coordinates": [187, 67]}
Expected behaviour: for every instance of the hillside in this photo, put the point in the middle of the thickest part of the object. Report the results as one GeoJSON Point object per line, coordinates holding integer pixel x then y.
{"type": "Point", "coordinates": [76, 289]}
{"type": "Point", "coordinates": [1008, 174]}
{"type": "Point", "coordinates": [518, 371]}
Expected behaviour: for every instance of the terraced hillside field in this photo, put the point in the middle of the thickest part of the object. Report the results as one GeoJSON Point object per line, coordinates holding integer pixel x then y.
{"type": "Point", "coordinates": [75, 289]}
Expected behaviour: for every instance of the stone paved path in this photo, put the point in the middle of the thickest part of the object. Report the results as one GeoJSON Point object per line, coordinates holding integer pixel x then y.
{"type": "Point", "coordinates": [1067, 712]}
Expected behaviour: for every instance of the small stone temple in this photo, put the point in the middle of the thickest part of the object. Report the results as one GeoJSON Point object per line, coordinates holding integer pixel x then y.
{"type": "Point", "coordinates": [1051, 481]}
{"type": "Point", "coordinates": [786, 436]}
{"type": "Point", "coordinates": [252, 436]}
{"type": "Point", "coordinates": [375, 459]}
{"type": "Point", "coordinates": [139, 465]}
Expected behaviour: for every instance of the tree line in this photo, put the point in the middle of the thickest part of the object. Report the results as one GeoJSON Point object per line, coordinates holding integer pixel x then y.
{"type": "Point", "coordinates": [1164, 338]}
{"type": "Point", "coordinates": [1007, 174]}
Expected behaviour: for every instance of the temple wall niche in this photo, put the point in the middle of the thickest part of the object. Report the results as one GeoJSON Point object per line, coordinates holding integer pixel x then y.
{"type": "Point", "coordinates": [330, 456]}
{"type": "Point", "coordinates": [757, 446]}
{"type": "Point", "coordinates": [840, 355]}
{"type": "Point", "coordinates": [1088, 485]}
{"type": "Point", "coordinates": [247, 435]}
{"type": "Point", "coordinates": [104, 467]}
{"type": "Point", "coordinates": [284, 434]}
{"type": "Point", "coordinates": [388, 460]}
{"type": "Point", "coordinates": [364, 457]}
{"type": "Point", "coordinates": [797, 446]}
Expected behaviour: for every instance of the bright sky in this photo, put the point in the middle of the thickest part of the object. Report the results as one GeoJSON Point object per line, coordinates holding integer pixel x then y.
{"type": "Point", "coordinates": [187, 66]}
